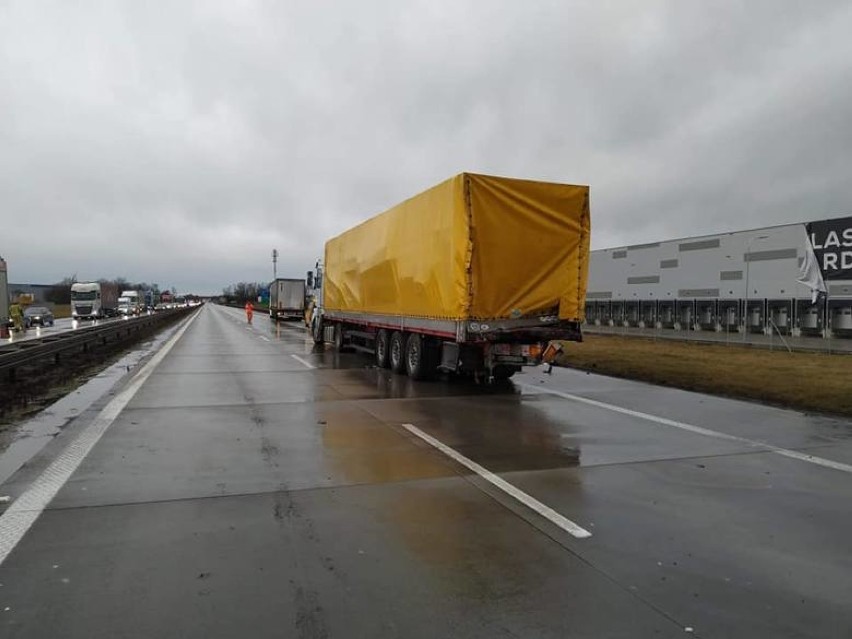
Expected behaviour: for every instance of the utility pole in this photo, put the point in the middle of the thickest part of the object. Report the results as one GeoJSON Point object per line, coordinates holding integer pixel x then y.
{"type": "Point", "coordinates": [274, 264]}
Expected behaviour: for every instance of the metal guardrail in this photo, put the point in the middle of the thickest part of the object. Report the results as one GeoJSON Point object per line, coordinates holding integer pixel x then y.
{"type": "Point", "coordinates": [16, 355]}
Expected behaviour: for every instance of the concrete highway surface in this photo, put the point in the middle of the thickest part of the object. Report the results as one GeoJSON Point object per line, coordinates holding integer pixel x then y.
{"type": "Point", "coordinates": [244, 484]}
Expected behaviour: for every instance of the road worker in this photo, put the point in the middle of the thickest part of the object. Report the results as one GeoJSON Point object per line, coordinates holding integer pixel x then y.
{"type": "Point", "coordinates": [249, 311]}
{"type": "Point", "coordinates": [16, 314]}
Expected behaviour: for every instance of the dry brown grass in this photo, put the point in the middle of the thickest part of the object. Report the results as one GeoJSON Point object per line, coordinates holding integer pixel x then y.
{"type": "Point", "coordinates": [61, 310]}
{"type": "Point", "coordinates": [805, 381]}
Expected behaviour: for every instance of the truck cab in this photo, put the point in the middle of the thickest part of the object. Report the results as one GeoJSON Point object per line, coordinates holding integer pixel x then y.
{"type": "Point", "coordinates": [130, 303]}
{"type": "Point", "coordinates": [86, 301]}
{"type": "Point", "coordinates": [125, 306]}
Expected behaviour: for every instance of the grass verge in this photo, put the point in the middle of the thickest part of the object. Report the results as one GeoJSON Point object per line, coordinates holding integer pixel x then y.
{"type": "Point", "coordinates": [805, 381]}
{"type": "Point", "coordinates": [61, 310]}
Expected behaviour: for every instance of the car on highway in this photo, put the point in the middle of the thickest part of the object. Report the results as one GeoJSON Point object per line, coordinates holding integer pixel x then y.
{"type": "Point", "coordinates": [38, 315]}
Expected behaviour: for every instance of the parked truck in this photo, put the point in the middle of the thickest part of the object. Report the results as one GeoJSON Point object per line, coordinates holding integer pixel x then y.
{"type": "Point", "coordinates": [475, 275]}
{"type": "Point", "coordinates": [286, 299]}
{"type": "Point", "coordinates": [93, 300]}
{"type": "Point", "coordinates": [130, 303]}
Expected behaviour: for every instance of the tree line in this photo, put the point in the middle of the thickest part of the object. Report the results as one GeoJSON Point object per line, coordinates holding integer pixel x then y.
{"type": "Point", "coordinates": [242, 292]}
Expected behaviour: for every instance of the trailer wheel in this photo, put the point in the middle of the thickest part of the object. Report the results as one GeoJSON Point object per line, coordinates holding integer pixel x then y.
{"type": "Point", "coordinates": [397, 352]}
{"type": "Point", "coordinates": [339, 339]}
{"type": "Point", "coordinates": [383, 349]}
{"type": "Point", "coordinates": [419, 357]}
{"type": "Point", "coordinates": [502, 372]}
{"type": "Point", "coordinates": [317, 331]}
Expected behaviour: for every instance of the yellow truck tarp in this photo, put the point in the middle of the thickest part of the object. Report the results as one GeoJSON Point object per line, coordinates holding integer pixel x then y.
{"type": "Point", "coordinates": [474, 247]}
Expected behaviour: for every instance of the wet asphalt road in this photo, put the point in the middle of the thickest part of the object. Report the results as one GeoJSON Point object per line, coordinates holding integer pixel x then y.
{"type": "Point", "coordinates": [35, 332]}
{"type": "Point", "coordinates": [61, 325]}
{"type": "Point", "coordinates": [242, 493]}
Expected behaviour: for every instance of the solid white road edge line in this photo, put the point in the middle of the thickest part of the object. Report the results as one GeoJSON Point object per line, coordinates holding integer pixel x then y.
{"type": "Point", "coordinates": [303, 362]}
{"type": "Point", "coordinates": [530, 502]}
{"type": "Point", "coordinates": [26, 509]}
{"type": "Point", "coordinates": [784, 452]}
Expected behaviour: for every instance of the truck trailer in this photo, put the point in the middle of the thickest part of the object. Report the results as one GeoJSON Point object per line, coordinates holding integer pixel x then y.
{"type": "Point", "coordinates": [130, 303]}
{"type": "Point", "coordinates": [474, 276]}
{"type": "Point", "coordinates": [287, 299]}
{"type": "Point", "coordinates": [93, 300]}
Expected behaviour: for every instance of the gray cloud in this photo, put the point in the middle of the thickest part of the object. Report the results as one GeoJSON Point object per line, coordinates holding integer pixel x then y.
{"type": "Point", "coordinates": [181, 144]}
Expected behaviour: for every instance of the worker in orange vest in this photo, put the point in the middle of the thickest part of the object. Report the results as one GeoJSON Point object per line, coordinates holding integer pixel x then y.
{"type": "Point", "coordinates": [249, 311]}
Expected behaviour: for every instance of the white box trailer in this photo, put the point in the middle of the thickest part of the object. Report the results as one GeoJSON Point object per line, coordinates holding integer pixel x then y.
{"type": "Point", "coordinates": [287, 299]}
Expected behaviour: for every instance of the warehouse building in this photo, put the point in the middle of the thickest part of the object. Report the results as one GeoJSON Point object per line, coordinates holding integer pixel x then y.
{"type": "Point", "coordinates": [743, 281]}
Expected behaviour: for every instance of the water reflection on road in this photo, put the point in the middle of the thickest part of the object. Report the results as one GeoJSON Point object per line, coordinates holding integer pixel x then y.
{"type": "Point", "coordinates": [440, 518]}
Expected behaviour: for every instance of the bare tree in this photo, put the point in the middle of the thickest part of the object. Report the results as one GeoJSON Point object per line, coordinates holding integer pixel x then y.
{"type": "Point", "coordinates": [60, 293]}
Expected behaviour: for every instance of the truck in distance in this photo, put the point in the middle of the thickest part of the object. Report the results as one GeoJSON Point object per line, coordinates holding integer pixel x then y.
{"type": "Point", "coordinates": [93, 300]}
{"type": "Point", "coordinates": [130, 303]}
{"type": "Point", "coordinates": [287, 299]}
{"type": "Point", "coordinates": [475, 275]}
{"type": "Point", "coordinates": [167, 300]}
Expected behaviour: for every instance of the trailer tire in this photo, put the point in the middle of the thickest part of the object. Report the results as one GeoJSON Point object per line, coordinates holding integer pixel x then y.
{"type": "Point", "coordinates": [419, 359]}
{"type": "Point", "coordinates": [502, 372]}
{"type": "Point", "coordinates": [397, 352]}
{"type": "Point", "coordinates": [339, 339]}
{"type": "Point", "coordinates": [317, 331]}
{"type": "Point", "coordinates": [383, 348]}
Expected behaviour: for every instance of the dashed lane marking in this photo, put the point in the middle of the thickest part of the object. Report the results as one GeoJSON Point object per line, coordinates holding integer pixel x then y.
{"type": "Point", "coordinates": [530, 502]}
{"type": "Point", "coordinates": [303, 362]}
{"type": "Point", "coordinates": [763, 446]}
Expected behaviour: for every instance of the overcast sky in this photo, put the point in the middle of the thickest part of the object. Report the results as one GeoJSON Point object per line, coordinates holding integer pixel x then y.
{"type": "Point", "coordinates": [179, 142]}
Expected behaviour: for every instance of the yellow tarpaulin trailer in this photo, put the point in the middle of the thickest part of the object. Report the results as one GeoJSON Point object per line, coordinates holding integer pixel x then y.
{"type": "Point", "coordinates": [474, 275]}
{"type": "Point", "coordinates": [474, 247]}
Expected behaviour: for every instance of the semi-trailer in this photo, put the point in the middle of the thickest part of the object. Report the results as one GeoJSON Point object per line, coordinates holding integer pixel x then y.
{"type": "Point", "coordinates": [93, 300]}
{"type": "Point", "coordinates": [287, 299]}
{"type": "Point", "coordinates": [130, 303]}
{"type": "Point", "coordinates": [475, 275]}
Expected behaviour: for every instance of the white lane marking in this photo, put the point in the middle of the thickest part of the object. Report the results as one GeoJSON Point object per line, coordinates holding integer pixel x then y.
{"type": "Point", "coordinates": [784, 452]}
{"type": "Point", "coordinates": [26, 509]}
{"type": "Point", "coordinates": [819, 461]}
{"type": "Point", "coordinates": [303, 362]}
{"type": "Point", "coordinates": [265, 339]}
{"type": "Point", "coordinates": [530, 502]}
